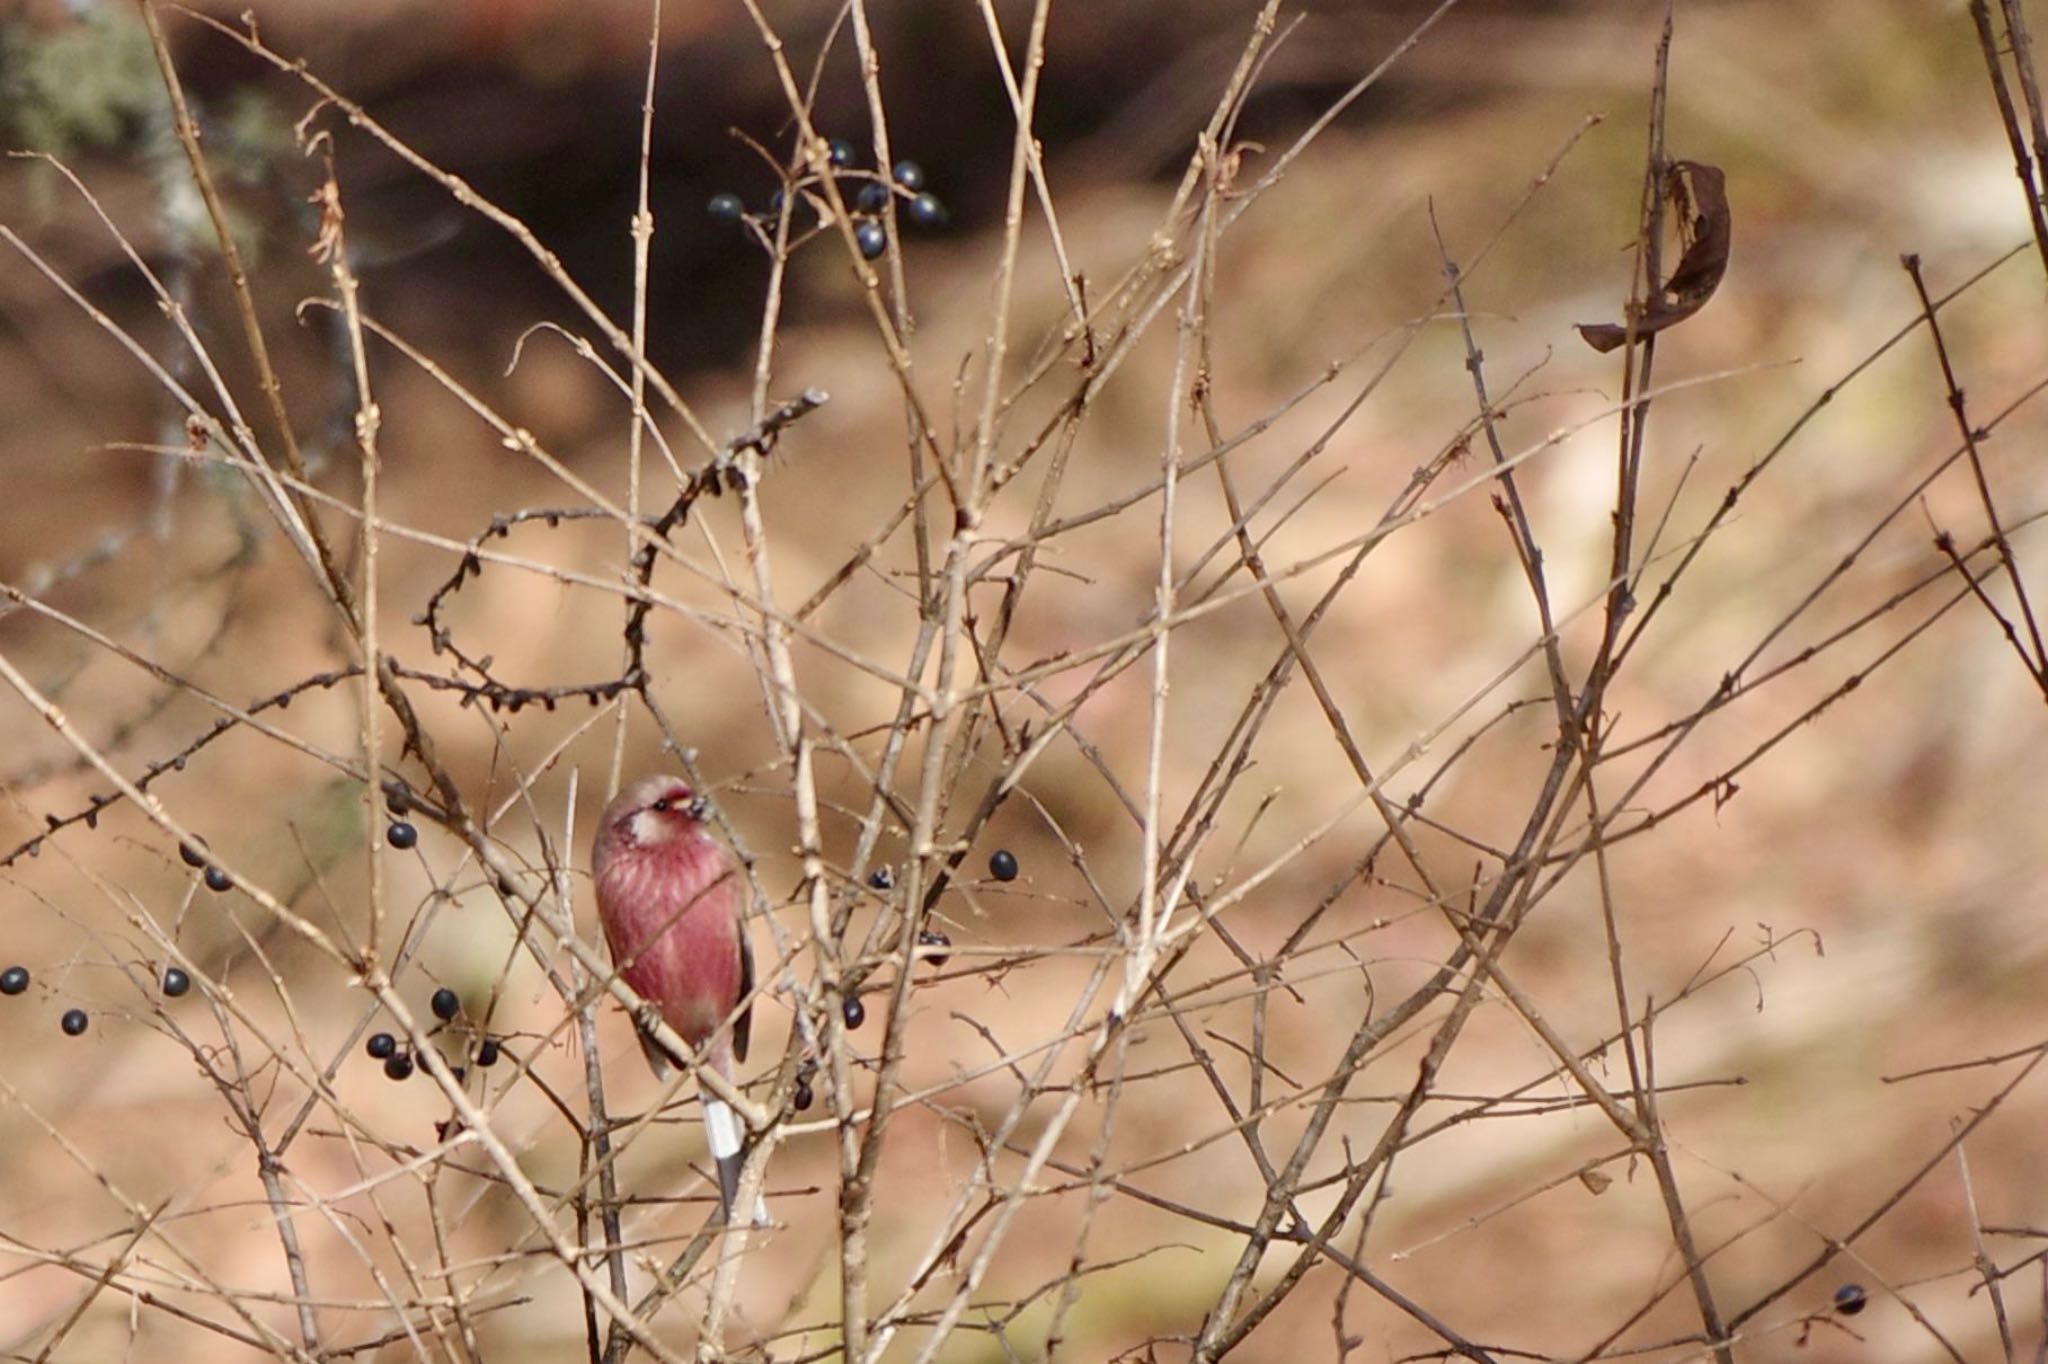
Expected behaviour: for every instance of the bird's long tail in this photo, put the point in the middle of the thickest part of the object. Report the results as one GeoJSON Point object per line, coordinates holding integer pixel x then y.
{"type": "Point", "coordinates": [722, 1133]}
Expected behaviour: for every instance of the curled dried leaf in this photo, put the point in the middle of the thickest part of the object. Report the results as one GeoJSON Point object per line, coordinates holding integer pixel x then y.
{"type": "Point", "coordinates": [1699, 198]}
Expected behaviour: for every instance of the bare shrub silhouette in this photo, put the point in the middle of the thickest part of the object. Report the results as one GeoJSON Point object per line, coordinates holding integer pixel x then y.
{"type": "Point", "coordinates": [1165, 947]}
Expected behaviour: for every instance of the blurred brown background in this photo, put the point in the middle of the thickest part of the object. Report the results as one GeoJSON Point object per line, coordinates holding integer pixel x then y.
{"type": "Point", "coordinates": [1901, 827]}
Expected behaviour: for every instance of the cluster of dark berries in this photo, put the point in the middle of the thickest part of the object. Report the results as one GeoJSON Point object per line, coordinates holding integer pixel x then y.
{"type": "Point", "coordinates": [399, 1063]}
{"type": "Point", "coordinates": [882, 878]}
{"type": "Point", "coordinates": [868, 192]}
{"type": "Point", "coordinates": [15, 980]}
{"type": "Point", "coordinates": [217, 881]}
{"type": "Point", "coordinates": [384, 1047]}
{"type": "Point", "coordinates": [400, 834]}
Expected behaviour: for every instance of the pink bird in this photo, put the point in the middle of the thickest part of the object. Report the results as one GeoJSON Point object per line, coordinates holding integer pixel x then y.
{"type": "Point", "coordinates": [669, 898]}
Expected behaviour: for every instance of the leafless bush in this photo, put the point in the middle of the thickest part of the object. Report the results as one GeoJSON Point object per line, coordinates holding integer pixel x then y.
{"type": "Point", "coordinates": [1163, 957]}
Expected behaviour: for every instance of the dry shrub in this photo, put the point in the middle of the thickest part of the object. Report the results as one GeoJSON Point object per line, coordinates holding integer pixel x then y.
{"type": "Point", "coordinates": [1428, 781]}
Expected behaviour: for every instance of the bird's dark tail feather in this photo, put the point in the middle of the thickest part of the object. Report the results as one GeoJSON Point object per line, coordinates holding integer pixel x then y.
{"type": "Point", "coordinates": [729, 1182]}
{"type": "Point", "coordinates": [722, 1134]}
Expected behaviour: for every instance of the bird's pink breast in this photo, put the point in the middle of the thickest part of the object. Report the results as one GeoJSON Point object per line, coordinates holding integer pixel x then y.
{"type": "Point", "coordinates": [670, 916]}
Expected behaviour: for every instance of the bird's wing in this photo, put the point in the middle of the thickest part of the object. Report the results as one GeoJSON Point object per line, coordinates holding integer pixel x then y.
{"type": "Point", "coordinates": [658, 1058]}
{"type": "Point", "coordinates": [743, 1025]}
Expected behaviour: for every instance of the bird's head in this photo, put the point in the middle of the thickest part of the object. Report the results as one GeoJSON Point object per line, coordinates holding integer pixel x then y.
{"type": "Point", "coordinates": [652, 812]}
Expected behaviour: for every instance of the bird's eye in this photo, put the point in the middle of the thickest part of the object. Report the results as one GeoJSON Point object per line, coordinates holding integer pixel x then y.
{"type": "Point", "coordinates": [661, 805]}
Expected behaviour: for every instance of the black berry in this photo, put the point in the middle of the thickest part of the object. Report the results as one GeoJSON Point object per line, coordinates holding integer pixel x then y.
{"type": "Point", "coordinates": [194, 858]}
{"type": "Point", "coordinates": [841, 152]}
{"type": "Point", "coordinates": [445, 1004]}
{"type": "Point", "coordinates": [13, 980]}
{"type": "Point", "coordinates": [910, 175]}
{"type": "Point", "coordinates": [803, 1096]}
{"type": "Point", "coordinates": [218, 881]}
{"type": "Point", "coordinates": [382, 1046]}
{"type": "Point", "coordinates": [853, 1011]}
{"type": "Point", "coordinates": [1851, 1299]}
{"type": "Point", "coordinates": [487, 1052]}
{"type": "Point", "coordinates": [882, 878]}
{"type": "Point", "coordinates": [871, 240]}
{"type": "Point", "coordinates": [401, 835]}
{"type": "Point", "coordinates": [74, 1022]}
{"type": "Point", "coordinates": [726, 208]}
{"type": "Point", "coordinates": [926, 211]}
{"type": "Point", "coordinates": [931, 937]}
{"type": "Point", "coordinates": [873, 197]}
{"type": "Point", "coordinates": [398, 1067]}
{"type": "Point", "coordinates": [398, 802]}
{"type": "Point", "coordinates": [1002, 864]}
{"type": "Point", "coordinates": [176, 982]}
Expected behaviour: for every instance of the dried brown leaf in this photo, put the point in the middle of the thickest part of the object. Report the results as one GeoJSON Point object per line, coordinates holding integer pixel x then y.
{"type": "Point", "coordinates": [1699, 196]}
